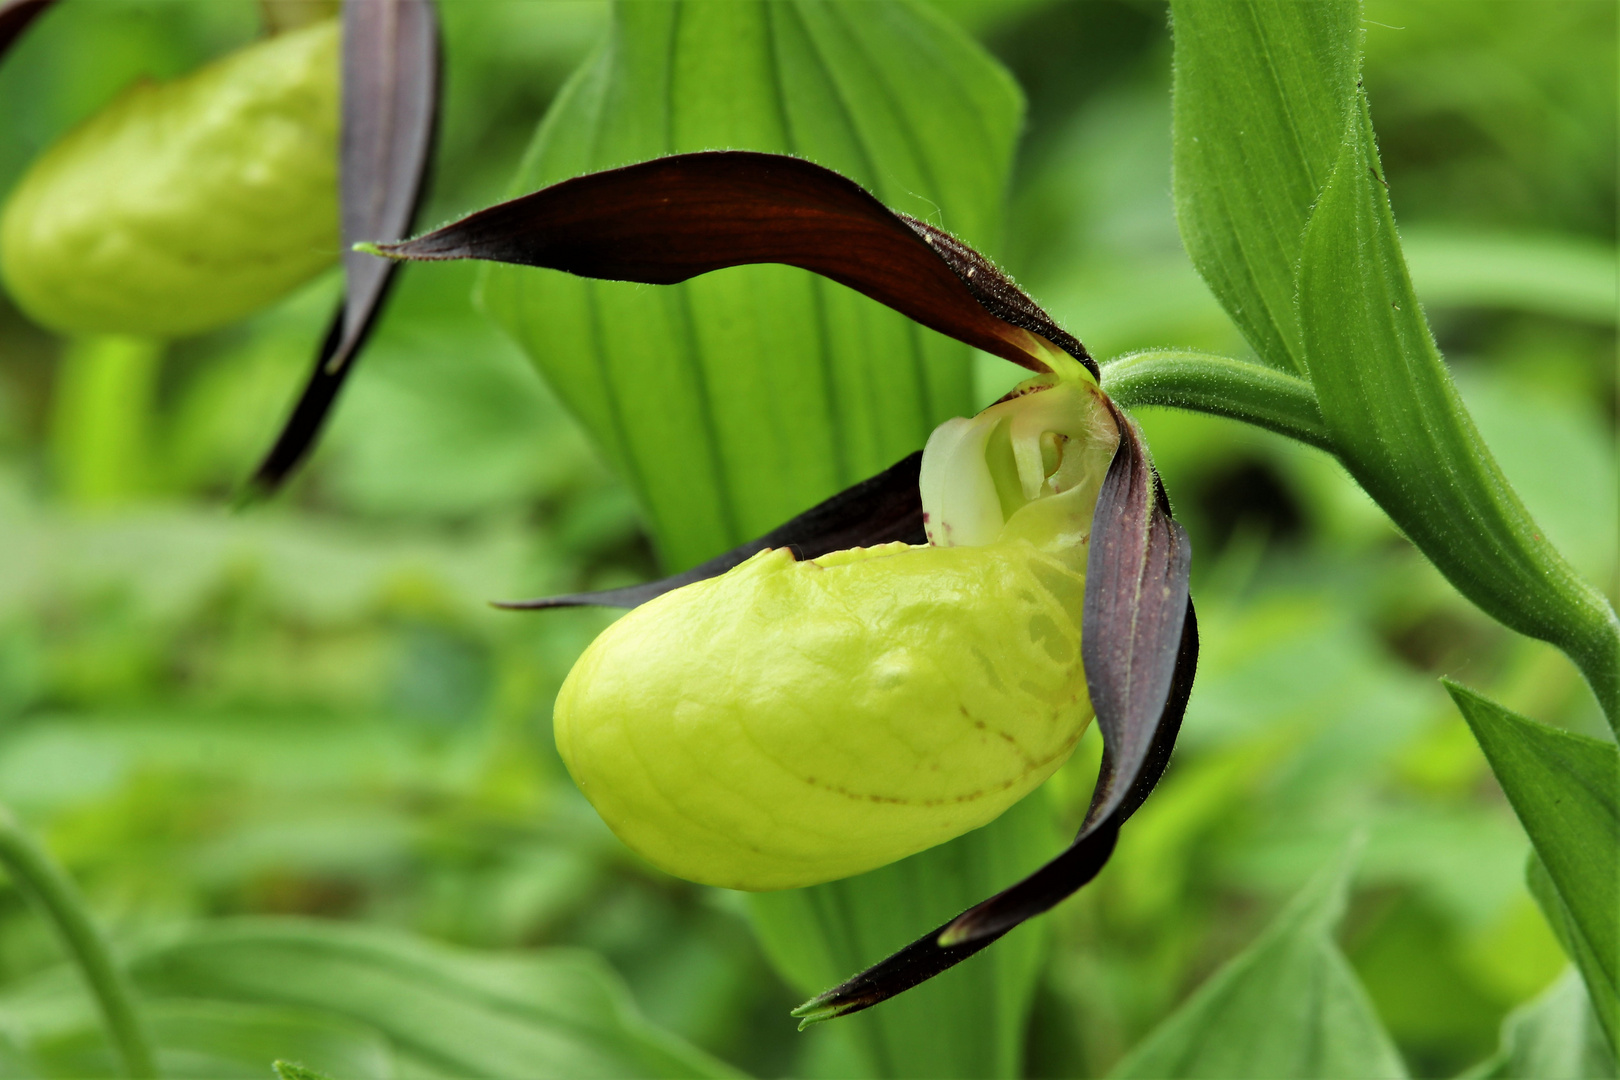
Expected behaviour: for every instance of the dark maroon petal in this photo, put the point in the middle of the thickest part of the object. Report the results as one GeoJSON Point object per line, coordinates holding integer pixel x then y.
{"type": "Point", "coordinates": [15, 17]}
{"type": "Point", "coordinates": [1139, 642]}
{"type": "Point", "coordinates": [878, 510]}
{"type": "Point", "coordinates": [673, 218]}
{"type": "Point", "coordinates": [390, 108]}
{"type": "Point", "coordinates": [1136, 601]}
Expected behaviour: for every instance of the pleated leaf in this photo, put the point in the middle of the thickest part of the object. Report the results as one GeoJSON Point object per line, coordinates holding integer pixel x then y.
{"type": "Point", "coordinates": [734, 401]}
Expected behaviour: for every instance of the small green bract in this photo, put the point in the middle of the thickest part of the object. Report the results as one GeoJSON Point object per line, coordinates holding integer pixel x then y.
{"type": "Point", "coordinates": [185, 205]}
{"type": "Point", "coordinates": [792, 722]}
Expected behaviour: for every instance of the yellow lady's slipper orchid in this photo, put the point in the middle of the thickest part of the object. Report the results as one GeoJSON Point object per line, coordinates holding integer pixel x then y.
{"type": "Point", "coordinates": [185, 205]}
{"type": "Point", "coordinates": [824, 699]}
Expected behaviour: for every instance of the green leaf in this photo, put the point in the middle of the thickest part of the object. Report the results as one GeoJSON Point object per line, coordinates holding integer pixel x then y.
{"type": "Point", "coordinates": [1554, 1037]}
{"type": "Point", "coordinates": [969, 1021]}
{"type": "Point", "coordinates": [1261, 91]}
{"type": "Point", "coordinates": [1287, 1006]}
{"type": "Point", "coordinates": [736, 400]}
{"type": "Point", "coordinates": [1401, 429]}
{"type": "Point", "coordinates": [210, 1040]}
{"type": "Point", "coordinates": [445, 1011]}
{"type": "Point", "coordinates": [1600, 992]}
{"type": "Point", "coordinates": [1566, 790]}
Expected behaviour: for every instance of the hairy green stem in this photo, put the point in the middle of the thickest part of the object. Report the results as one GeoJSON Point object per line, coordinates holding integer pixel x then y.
{"type": "Point", "coordinates": [1205, 382]}
{"type": "Point", "coordinates": [48, 885]}
{"type": "Point", "coordinates": [1274, 400]}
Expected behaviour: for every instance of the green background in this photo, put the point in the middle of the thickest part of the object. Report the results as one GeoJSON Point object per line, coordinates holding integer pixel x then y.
{"type": "Point", "coordinates": [306, 709]}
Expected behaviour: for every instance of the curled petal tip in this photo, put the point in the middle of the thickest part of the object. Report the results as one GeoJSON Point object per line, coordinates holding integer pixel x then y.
{"type": "Point", "coordinates": [367, 247]}
{"type": "Point", "coordinates": [818, 1010]}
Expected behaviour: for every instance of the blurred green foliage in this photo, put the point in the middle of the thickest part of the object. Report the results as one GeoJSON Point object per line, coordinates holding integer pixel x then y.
{"type": "Point", "coordinates": [306, 709]}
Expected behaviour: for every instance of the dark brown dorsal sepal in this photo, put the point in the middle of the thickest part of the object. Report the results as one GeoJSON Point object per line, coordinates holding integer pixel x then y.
{"type": "Point", "coordinates": [672, 218]}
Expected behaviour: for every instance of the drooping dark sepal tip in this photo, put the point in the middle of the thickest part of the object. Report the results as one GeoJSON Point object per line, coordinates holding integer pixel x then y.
{"type": "Point", "coordinates": [391, 82]}
{"type": "Point", "coordinates": [911, 966]}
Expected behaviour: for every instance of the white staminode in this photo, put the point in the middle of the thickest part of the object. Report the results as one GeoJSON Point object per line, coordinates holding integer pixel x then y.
{"type": "Point", "coordinates": [977, 472]}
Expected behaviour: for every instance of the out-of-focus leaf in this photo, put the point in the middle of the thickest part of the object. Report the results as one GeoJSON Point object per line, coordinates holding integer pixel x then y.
{"type": "Point", "coordinates": [1572, 277]}
{"type": "Point", "coordinates": [1261, 90]}
{"type": "Point", "coordinates": [734, 401]}
{"type": "Point", "coordinates": [445, 1011]}
{"type": "Point", "coordinates": [224, 1040]}
{"type": "Point", "coordinates": [1566, 790]}
{"type": "Point", "coordinates": [15, 17]}
{"type": "Point", "coordinates": [99, 439]}
{"type": "Point", "coordinates": [288, 1070]}
{"type": "Point", "coordinates": [1558, 453]}
{"type": "Point", "coordinates": [1287, 1006]}
{"type": "Point", "coordinates": [1554, 1037]}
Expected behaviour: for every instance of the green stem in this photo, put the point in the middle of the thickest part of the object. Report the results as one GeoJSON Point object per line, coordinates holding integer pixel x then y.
{"type": "Point", "coordinates": [48, 885]}
{"type": "Point", "coordinates": [1205, 382]}
{"type": "Point", "coordinates": [1286, 404]}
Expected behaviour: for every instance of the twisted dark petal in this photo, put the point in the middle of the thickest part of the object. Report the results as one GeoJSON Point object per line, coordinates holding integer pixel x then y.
{"type": "Point", "coordinates": [1139, 642]}
{"type": "Point", "coordinates": [15, 17]}
{"type": "Point", "coordinates": [673, 218]}
{"type": "Point", "coordinates": [390, 108]}
{"type": "Point", "coordinates": [878, 510]}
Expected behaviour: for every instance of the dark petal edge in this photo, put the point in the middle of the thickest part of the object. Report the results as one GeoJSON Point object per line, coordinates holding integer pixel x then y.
{"type": "Point", "coordinates": [390, 111]}
{"type": "Point", "coordinates": [1140, 646]}
{"type": "Point", "coordinates": [15, 17]}
{"type": "Point", "coordinates": [878, 510]}
{"type": "Point", "coordinates": [672, 218]}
